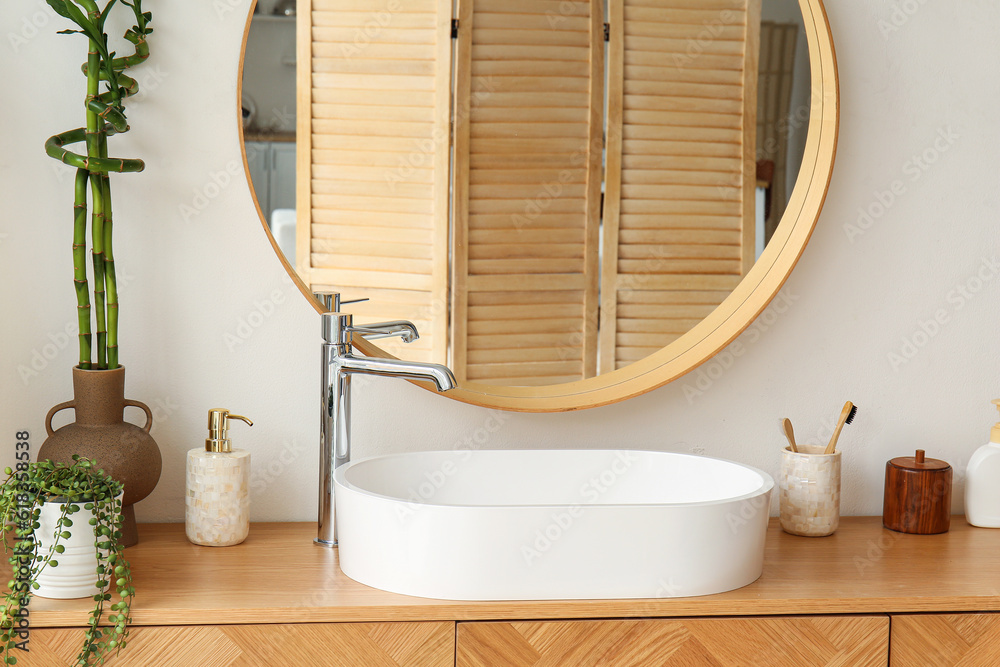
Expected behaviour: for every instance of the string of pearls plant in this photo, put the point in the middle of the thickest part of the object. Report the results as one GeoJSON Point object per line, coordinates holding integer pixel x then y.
{"type": "Point", "coordinates": [76, 486]}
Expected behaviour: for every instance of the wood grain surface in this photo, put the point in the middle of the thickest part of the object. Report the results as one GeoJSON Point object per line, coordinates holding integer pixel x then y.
{"type": "Point", "coordinates": [858, 641]}
{"type": "Point", "coordinates": [946, 640]}
{"type": "Point", "coordinates": [331, 644]}
{"type": "Point", "coordinates": [278, 575]}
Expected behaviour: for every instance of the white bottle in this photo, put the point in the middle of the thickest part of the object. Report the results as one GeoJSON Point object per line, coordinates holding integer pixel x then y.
{"type": "Point", "coordinates": [217, 502]}
{"type": "Point", "coordinates": [982, 482]}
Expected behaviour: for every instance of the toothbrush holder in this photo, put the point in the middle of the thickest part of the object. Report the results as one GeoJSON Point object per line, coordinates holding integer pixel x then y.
{"type": "Point", "coordinates": [809, 491]}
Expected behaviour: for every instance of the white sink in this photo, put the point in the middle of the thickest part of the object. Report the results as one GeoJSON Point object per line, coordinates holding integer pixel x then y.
{"type": "Point", "coordinates": [551, 524]}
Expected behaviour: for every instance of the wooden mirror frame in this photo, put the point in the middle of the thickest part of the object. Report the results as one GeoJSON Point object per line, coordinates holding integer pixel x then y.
{"type": "Point", "coordinates": [708, 337]}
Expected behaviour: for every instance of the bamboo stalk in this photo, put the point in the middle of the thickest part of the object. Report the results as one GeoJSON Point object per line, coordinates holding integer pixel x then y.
{"type": "Point", "coordinates": [95, 130]}
{"type": "Point", "coordinates": [105, 117]}
{"type": "Point", "coordinates": [80, 266]}
{"type": "Point", "coordinates": [110, 278]}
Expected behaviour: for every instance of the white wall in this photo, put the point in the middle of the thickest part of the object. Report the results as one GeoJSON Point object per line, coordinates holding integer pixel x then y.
{"type": "Point", "coordinates": [195, 279]}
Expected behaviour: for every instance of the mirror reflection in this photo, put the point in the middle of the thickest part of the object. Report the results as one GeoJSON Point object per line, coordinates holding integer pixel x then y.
{"type": "Point", "coordinates": [545, 205]}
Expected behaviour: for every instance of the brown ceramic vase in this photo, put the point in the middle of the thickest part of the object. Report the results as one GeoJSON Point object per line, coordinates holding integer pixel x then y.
{"type": "Point", "coordinates": [123, 450]}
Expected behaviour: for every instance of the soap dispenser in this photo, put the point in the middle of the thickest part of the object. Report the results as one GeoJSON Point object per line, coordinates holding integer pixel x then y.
{"type": "Point", "coordinates": [217, 502]}
{"type": "Point", "coordinates": [982, 482]}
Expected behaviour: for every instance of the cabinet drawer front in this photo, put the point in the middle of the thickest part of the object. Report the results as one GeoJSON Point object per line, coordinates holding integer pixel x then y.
{"type": "Point", "coordinates": [946, 640]}
{"type": "Point", "coordinates": [336, 644]}
{"type": "Point", "coordinates": [858, 641]}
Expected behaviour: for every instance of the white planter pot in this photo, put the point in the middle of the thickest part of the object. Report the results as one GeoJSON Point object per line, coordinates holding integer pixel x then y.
{"type": "Point", "coordinates": [76, 574]}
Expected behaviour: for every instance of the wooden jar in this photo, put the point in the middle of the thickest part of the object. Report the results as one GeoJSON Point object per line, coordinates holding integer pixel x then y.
{"type": "Point", "coordinates": [917, 495]}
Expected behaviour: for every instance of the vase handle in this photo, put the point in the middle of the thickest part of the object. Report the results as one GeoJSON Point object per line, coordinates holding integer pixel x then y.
{"type": "Point", "coordinates": [52, 413]}
{"type": "Point", "coordinates": [145, 408]}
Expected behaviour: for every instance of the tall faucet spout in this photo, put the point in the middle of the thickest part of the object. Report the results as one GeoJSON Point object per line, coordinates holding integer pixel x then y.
{"type": "Point", "coordinates": [339, 365]}
{"type": "Point", "coordinates": [441, 376]}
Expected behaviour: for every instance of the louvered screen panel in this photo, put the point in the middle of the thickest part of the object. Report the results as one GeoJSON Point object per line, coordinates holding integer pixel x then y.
{"type": "Point", "coordinates": [379, 95]}
{"type": "Point", "coordinates": [527, 167]}
{"type": "Point", "coordinates": [679, 208]}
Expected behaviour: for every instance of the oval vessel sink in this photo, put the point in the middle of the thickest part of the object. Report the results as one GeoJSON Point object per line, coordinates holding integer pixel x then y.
{"type": "Point", "coordinates": [551, 524]}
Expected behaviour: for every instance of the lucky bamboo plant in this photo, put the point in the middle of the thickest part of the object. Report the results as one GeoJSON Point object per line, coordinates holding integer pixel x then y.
{"type": "Point", "coordinates": [105, 117]}
{"type": "Point", "coordinates": [80, 487]}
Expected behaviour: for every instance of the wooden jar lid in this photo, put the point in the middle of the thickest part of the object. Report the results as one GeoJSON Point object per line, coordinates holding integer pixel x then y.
{"type": "Point", "coordinates": [919, 462]}
{"type": "Point", "coordinates": [917, 495]}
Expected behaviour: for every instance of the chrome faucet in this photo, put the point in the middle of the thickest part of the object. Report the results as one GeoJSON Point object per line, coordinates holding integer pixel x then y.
{"type": "Point", "coordinates": [339, 364]}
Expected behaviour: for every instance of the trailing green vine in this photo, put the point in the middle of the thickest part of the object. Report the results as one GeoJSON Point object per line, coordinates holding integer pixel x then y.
{"type": "Point", "coordinates": [79, 486]}
{"type": "Point", "coordinates": [105, 117]}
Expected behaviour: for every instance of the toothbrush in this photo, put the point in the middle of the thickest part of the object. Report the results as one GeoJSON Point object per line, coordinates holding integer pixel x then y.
{"type": "Point", "coordinates": [846, 417]}
{"type": "Point", "coordinates": [786, 424]}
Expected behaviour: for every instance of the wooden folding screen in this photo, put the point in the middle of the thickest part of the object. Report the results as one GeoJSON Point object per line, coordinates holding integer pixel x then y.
{"type": "Point", "coordinates": [373, 206]}
{"type": "Point", "coordinates": [679, 205]}
{"type": "Point", "coordinates": [529, 299]}
{"type": "Point", "coordinates": [528, 128]}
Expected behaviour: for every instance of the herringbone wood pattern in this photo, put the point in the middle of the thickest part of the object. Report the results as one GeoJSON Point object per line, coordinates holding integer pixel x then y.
{"type": "Point", "coordinates": [856, 641]}
{"type": "Point", "coordinates": [946, 640]}
{"type": "Point", "coordinates": [333, 644]}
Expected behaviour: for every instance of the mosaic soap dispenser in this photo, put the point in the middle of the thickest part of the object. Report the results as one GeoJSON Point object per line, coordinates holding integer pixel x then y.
{"type": "Point", "coordinates": [217, 502]}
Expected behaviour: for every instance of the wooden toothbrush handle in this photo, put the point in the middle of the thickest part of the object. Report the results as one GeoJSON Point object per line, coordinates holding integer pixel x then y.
{"type": "Point", "coordinates": [832, 447]}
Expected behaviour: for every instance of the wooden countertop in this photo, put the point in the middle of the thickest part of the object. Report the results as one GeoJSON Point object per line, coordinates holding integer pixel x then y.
{"type": "Point", "coordinates": [279, 576]}
{"type": "Point", "coordinates": [262, 135]}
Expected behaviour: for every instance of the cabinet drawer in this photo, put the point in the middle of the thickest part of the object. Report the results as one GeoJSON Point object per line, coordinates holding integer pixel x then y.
{"type": "Point", "coordinates": [338, 644]}
{"type": "Point", "coordinates": [943, 640]}
{"type": "Point", "coordinates": [807, 641]}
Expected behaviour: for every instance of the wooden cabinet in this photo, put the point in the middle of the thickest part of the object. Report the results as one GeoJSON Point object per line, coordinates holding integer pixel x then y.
{"type": "Point", "coordinates": [819, 602]}
{"type": "Point", "coordinates": [333, 644]}
{"type": "Point", "coordinates": [946, 640]}
{"type": "Point", "coordinates": [858, 641]}
{"type": "Point", "coordinates": [272, 172]}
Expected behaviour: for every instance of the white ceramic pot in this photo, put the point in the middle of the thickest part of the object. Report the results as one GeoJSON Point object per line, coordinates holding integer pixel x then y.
{"type": "Point", "coordinates": [76, 574]}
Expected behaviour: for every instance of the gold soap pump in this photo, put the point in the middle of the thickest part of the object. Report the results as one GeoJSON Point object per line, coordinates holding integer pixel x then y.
{"type": "Point", "coordinates": [218, 430]}
{"type": "Point", "coordinates": [217, 502]}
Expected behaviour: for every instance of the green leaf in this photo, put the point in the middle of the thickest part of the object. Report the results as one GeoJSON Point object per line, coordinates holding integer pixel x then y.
{"type": "Point", "coordinates": [107, 10]}
{"type": "Point", "coordinates": [60, 7]}
{"type": "Point", "coordinates": [98, 38]}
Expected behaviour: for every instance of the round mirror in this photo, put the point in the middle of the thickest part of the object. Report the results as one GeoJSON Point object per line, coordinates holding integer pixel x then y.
{"type": "Point", "coordinates": [575, 201]}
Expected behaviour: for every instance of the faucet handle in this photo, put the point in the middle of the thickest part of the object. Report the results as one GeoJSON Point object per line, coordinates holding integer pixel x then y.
{"type": "Point", "coordinates": [332, 302]}
{"type": "Point", "coordinates": [336, 327]}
